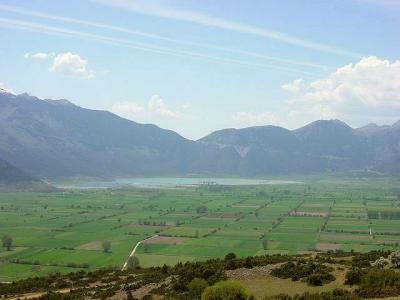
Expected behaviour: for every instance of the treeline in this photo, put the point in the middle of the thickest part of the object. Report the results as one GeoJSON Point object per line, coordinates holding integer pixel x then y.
{"type": "Point", "coordinates": [53, 264]}
{"type": "Point", "coordinates": [313, 273]}
{"type": "Point", "coordinates": [384, 214]}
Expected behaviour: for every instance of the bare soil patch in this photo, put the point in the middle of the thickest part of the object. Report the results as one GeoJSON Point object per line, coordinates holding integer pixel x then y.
{"type": "Point", "coordinates": [146, 289]}
{"type": "Point", "coordinates": [327, 247]}
{"type": "Point", "coordinates": [256, 272]}
{"type": "Point", "coordinates": [95, 245]}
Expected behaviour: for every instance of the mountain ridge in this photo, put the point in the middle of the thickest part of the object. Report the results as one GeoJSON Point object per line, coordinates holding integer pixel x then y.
{"type": "Point", "coordinates": [66, 140]}
{"type": "Point", "coordinates": [58, 139]}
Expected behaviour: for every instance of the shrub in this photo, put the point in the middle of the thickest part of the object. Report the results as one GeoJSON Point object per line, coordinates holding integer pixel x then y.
{"type": "Point", "coordinates": [354, 276]}
{"type": "Point", "coordinates": [230, 256]}
{"type": "Point", "coordinates": [106, 245]}
{"type": "Point", "coordinates": [380, 283]}
{"type": "Point", "coordinates": [225, 290]}
{"type": "Point", "coordinates": [319, 279]}
{"type": "Point", "coordinates": [196, 287]}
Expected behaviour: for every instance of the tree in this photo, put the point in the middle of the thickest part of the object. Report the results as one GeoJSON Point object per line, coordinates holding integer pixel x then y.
{"type": "Point", "coordinates": [354, 276]}
{"type": "Point", "coordinates": [196, 287]}
{"type": "Point", "coordinates": [201, 209]}
{"type": "Point", "coordinates": [265, 244]}
{"type": "Point", "coordinates": [106, 245]}
{"type": "Point", "coordinates": [230, 256]}
{"type": "Point", "coordinates": [7, 242]}
{"type": "Point", "coordinates": [225, 290]}
{"type": "Point", "coordinates": [133, 263]}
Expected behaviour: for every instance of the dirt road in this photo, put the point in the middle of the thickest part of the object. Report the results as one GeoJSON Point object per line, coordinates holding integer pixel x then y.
{"type": "Point", "coordinates": [134, 250]}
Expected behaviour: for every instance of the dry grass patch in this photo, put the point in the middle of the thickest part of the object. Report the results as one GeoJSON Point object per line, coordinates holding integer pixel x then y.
{"type": "Point", "coordinates": [270, 286]}
{"type": "Point", "coordinates": [344, 237]}
{"type": "Point", "coordinates": [165, 240]}
{"type": "Point", "coordinates": [95, 245]}
{"type": "Point", "coordinates": [327, 247]}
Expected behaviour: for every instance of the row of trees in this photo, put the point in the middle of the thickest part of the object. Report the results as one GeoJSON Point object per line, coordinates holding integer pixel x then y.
{"type": "Point", "coordinates": [385, 214]}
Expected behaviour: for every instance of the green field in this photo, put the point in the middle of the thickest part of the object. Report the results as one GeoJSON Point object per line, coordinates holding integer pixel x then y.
{"type": "Point", "coordinates": [63, 231]}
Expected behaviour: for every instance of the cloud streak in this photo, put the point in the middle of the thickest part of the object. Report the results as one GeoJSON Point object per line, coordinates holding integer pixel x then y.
{"type": "Point", "coordinates": [26, 12]}
{"type": "Point", "coordinates": [37, 27]}
{"type": "Point", "coordinates": [159, 9]}
{"type": "Point", "coordinates": [38, 55]}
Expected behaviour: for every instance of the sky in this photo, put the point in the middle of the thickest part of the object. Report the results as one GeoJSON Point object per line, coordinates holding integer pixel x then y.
{"type": "Point", "coordinates": [196, 66]}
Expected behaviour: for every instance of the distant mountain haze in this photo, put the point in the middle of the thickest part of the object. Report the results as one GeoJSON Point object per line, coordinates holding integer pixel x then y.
{"type": "Point", "coordinates": [57, 139]}
{"type": "Point", "coordinates": [10, 175]}
{"type": "Point", "coordinates": [324, 145]}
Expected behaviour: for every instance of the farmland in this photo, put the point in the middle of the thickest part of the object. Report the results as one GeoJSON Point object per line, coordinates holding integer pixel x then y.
{"type": "Point", "coordinates": [63, 231]}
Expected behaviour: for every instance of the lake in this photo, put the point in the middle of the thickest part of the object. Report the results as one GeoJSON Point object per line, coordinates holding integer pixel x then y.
{"type": "Point", "coordinates": [169, 182]}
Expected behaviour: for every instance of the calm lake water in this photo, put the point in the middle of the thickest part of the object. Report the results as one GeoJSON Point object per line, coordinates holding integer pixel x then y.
{"type": "Point", "coordinates": [169, 182]}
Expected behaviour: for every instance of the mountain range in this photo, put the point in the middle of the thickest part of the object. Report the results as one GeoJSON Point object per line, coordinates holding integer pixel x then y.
{"type": "Point", "coordinates": [57, 139]}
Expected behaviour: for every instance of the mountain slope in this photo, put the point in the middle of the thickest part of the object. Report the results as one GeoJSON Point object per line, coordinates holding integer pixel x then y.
{"type": "Point", "coordinates": [12, 175]}
{"type": "Point", "coordinates": [321, 146]}
{"type": "Point", "coordinates": [59, 139]}
{"type": "Point", "coordinates": [264, 150]}
{"type": "Point", "coordinates": [386, 149]}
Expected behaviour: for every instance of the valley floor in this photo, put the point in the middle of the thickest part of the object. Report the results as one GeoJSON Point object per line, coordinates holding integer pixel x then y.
{"type": "Point", "coordinates": [63, 231]}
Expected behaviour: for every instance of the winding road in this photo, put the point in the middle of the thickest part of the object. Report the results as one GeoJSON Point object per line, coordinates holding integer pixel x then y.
{"type": "Point", "coordinates": [134, 250]}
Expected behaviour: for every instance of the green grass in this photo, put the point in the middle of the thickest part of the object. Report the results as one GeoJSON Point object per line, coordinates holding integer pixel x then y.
{"type": "Point", "coordinates": [60, 228]}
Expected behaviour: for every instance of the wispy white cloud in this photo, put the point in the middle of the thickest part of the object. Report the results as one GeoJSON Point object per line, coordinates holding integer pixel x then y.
{"type": "Point", "coordinates": [52, 30]}
{"type": "Point", "coordinates": [294, 87]}
{"type": "Point", "coordinates": [71, 65]}
{"type": "Point", "coordinates": [158, 107]}
{"type": "Point", "coordinates": [163, 9]}
{"type": "Point", "coordinates": [127, 109]}
{"type": "Point", "coordinates": [159, 37]}
{"type": "Point", "coordinates": [5, 89]}
{"type": "Point", "coordinates": [38, 55]}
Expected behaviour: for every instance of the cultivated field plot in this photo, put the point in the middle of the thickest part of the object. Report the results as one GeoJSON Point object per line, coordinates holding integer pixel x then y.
{"type": "Point", "coordinates": [65, 231]}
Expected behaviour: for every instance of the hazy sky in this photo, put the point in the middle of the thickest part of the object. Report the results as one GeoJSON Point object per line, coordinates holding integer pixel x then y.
{"type": "Point", "coordinates": [198, 66]}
